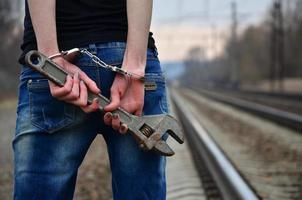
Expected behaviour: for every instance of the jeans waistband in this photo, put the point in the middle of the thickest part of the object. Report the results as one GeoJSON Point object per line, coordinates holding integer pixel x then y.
{"type": "Point", "coordinates": [94, 46]}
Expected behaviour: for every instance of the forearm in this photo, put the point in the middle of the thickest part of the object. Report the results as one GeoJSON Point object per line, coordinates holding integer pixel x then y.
{"type": "Point", "coordinates": [139, 14]}
{"type": "Point", "coordinates": [43, 17]}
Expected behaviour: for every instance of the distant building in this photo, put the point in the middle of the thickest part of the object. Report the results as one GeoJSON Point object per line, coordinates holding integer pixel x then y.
{"type": "Point", "coordinates": [174, 42]}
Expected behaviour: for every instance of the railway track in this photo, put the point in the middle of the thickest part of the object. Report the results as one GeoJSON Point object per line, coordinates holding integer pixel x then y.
{"type": "Point", "coordinates": [220, 179]}
{"type": "Point", "coordinates": [267, 155]}
{"type": "Point", "coordinates": [284, 101]}
{"type": "Point", "coordinates": [280, 95]}
{"type": "Point", "coordinates": [261, 93]}
{"type": "Point", "coordinates": [275, 114]}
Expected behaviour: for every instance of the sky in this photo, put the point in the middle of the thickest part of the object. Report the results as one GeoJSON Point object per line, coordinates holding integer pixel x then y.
{"type": "Point", "coordinates": [179, 25]}
{"type": "Point", "coordinates": [207, 11]}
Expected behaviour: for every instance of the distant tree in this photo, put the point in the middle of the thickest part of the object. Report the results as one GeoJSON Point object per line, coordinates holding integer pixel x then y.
{"type": "Point", "coordinates": [253, 47]}
{"type": "Point", "coordinates": [10, 31]}
{"type": "Point", "coordinates": [252, 55]}
{"type": "Point", "coordinates": [293, 41]}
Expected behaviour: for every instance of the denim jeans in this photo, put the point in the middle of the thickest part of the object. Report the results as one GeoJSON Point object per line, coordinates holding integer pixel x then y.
{"type": "Point", "coordinates": [52, 136]}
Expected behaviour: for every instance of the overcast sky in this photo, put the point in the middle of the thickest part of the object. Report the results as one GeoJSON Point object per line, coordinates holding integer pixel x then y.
{"type": "Point", "coordinates": [207, 11]}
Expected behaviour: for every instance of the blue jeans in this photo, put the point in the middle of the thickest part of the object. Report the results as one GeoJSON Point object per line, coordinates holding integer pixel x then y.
{"type": "Point", "coordinates": [52, 137]}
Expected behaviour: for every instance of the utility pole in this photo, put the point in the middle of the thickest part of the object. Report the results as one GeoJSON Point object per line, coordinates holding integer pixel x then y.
{"type": "Point", "coordinates": [277, 67]}
{"type": "Point", "coordinates": [234, 45]}
{"type": "Point", "coordinates": [273, 49]}
{"type": "Point", "coordinates": [214, 39]}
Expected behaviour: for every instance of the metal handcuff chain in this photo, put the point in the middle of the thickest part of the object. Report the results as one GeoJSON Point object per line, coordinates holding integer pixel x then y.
{"type": "Point", "coordinates": [99, 63]}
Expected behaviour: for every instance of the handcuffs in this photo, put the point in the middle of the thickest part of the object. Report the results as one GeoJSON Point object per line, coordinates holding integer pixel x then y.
{"type": "Point", "coordinates": [99, 62]}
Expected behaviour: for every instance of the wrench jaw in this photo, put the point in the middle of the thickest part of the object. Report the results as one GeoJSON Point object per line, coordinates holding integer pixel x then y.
{"type": "Point", "coordinates": [165, 123]}
{"type": "Point", "coordinates": [172, 127]}
{"type": "Point", "coordinates": [163, 148]}
{"type": "Point", "coordinates": [159, 146]}
{"type": "Point", "coordinates": [154, 127]}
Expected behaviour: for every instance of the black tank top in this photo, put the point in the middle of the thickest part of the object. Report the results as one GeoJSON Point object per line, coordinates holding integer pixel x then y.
{"type": "Point", "coordinates": [81, 22]}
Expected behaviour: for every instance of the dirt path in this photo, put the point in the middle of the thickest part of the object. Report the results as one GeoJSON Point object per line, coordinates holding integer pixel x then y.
{"type": "Point", "coordinates": [7, 124]}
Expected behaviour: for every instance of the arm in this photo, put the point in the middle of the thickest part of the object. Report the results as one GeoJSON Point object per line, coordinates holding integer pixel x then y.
{"type": "Point", "coordinates": [139, 19]}
{"type": "Point", "coordinates": [43, 16]}
{"type": "Point", "coordinates": [43, 19]}
{"type": "Point", "coordinates": [130, 94]}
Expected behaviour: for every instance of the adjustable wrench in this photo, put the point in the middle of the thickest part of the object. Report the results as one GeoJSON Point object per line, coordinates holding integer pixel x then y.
{"type": "Point", "coordinates": [147, 130]}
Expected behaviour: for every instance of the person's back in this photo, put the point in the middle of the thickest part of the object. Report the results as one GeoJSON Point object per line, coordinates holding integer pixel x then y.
{"type": "Point", "coordinates": [81, 22]}
{"type": "Point", "coordinates": [55, 126]}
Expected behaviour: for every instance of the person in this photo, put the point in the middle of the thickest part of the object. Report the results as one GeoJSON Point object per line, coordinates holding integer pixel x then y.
{"type": "Point", "coordinates": [55, 126]}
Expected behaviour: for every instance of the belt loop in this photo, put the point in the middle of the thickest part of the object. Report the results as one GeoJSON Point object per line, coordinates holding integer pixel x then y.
{"type": "Point", "coordinates": [92, 49]}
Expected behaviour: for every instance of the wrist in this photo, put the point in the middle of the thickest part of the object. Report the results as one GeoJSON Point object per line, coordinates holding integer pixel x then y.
{"type": "Point", "coordinates": [48, 51]}
{"type": "Point", "coordinates": [135, 66]}
{"type": "Point", "coordinates": [138, 71]}
{"type": "Point", "coordinates": [135, 60]}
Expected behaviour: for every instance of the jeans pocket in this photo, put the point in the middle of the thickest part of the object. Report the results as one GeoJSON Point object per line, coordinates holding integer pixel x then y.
{"type": "Point", "coordinates": [155, 94]}
{"type": "Point", "coordinates": [46, 112]}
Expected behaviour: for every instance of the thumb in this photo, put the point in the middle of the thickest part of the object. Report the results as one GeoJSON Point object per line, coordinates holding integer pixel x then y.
{"type": "Point", "coordinates": [115, 101]}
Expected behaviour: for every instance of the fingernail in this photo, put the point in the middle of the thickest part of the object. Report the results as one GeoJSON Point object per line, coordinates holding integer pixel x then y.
{"type": "Point", "coordinates": [108, 115]}
{"type": "Point", "coordinates": [115, 116]}
{"type": "Point", "coordinates": [123, 128]}
{"type": "Point", "coordinates": [82, 82]}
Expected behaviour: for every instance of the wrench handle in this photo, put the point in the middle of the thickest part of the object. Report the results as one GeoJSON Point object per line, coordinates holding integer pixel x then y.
{"type": "Point", "coordinates": [56, 74]}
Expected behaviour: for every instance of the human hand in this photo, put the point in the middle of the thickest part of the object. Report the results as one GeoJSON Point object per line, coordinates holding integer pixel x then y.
{"type": "Point", "coordinates": [128, 94]}
{"type": "Point", "coordinates": [75, 89]}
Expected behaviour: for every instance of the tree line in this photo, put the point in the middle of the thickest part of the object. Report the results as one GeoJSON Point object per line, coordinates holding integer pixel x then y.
{"type": "Point", "coordinates": [11, 35]}
{"type": "Point", "coordinates": [249, 58]}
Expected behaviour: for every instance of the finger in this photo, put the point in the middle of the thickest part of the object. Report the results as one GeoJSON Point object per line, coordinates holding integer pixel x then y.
{"type": "Point", "coordinates": [108, 118]}
{"type": "Point", "coordinates": [58, 91]}
{"type": "Point", "coordinates": [75, 92]}
{"type": "Point", "coordinates": [90, 83]}
{"type": "Point", "coordinates": [116, 123]}
{"type": "Point", "coordinates": [115, 101]}
{"type": "Point", "coordinates": [123, 129]}
{"type": "Point", "coordinates": [82, 101]}
{"type": "Point", "coordinates": [123, 84]}
{"type": "Point", "coordinates": [94, 106]}
{"type": "Point", "coordinates": [138, 113]}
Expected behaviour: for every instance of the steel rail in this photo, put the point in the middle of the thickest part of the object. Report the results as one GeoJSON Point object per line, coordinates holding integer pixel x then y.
{"type": "Point", "coordinates": [229, 182]}
{"type": "Point", "coordinates": [280, 95]}
{"type": "Point", "coordinates": [285, 118]}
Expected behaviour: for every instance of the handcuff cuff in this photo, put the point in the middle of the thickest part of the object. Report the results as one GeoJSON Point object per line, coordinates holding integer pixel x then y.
{"type": "Point", "coordinates": [99, 63]}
